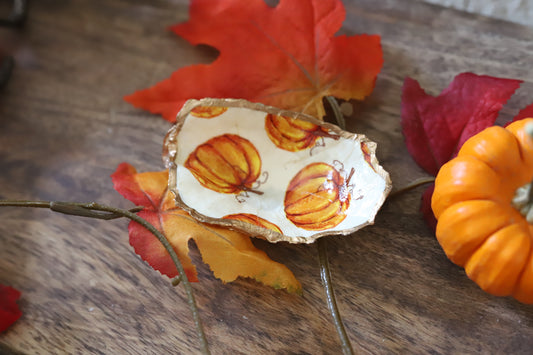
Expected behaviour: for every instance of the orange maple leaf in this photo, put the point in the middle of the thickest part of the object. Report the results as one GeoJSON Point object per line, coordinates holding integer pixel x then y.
{"type": "Point", "coordinates": [285, 56]}
{"type": "Point", "coordinates": [229, 253]}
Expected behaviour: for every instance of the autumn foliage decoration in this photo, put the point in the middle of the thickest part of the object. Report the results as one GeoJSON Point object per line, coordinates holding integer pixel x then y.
{"type": "Point", "coordinates": [217, 245]}
{"type": "Point", "coordinates": [435, 128]}
{"type": "Point", "coordinates": [288, 56]}
{"type": "Point", "coordinates": [9, 310]}
{"type": "Point", "coordinates": [480, 168]}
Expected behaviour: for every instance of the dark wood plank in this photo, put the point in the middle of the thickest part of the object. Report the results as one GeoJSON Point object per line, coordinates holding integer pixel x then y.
{"type": "Point", "coordinates": [64, 128]}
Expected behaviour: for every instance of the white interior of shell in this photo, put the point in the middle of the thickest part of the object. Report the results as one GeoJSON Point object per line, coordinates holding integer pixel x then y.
{"type": "Point", "coordinates": [363, 186]}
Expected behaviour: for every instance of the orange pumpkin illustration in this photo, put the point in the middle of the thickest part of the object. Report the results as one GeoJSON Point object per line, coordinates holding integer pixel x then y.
{"type": "Point", "coordinates": [366, 154]}
{"type": "Point", "coordinates": [208, 111]}
{"type": "Point", "coordinates": [293, 134]}
{"type": "Point", "coordinates": [317, 197]}
{"type": "Point", "coordinates": [253, 219]}
{"type": "Point", "coordinates": [228, 164]}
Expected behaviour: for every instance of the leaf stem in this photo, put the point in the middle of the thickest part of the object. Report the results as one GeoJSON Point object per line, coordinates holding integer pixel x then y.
{"type": "Point", "coordinates": [341, 122]}
{"type": "Point", "coordinates": [95, 210]}
{"type": "Point", "coordinates": [412, 185]}
{"type": "Point", "coordinates": [324, 262]}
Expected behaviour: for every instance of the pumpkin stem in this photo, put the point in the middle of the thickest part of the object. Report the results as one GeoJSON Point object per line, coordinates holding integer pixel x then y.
{"type": "Point", "coordinates": [523, 198]}
{"type": "Point", "coordinates": [325, 134]}
{"type": "Point", "coordinates": [523, 202]}
{"type": "Point", "coordinates": [247, 189]}
{"type": "Point", "coordinates": [350, 175]}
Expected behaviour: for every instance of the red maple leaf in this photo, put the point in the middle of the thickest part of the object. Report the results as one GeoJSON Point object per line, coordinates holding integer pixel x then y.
{"type": "Point", "coordinates": [435, 128]}
{"type": "Point", "coordinates": [285, 56]}
{"type": "Point", "coordinates": [229, 253]}
{"type": "Point", "coordinates": [9, 310]}
{"type": "Point", "coordinates": [524, 113]}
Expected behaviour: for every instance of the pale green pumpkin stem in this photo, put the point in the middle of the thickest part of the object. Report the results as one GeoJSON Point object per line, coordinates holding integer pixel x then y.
{"type": "Point", "coordinates": [95, 210]}
{"type": "Point", "coordinates": [523, 198]}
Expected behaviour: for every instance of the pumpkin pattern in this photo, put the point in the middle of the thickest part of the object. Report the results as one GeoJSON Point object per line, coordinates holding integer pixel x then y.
{"type": "Point", "coordinates": [317, 197]}
{"type": "Point", "coordinates": [280, 175]}
{"type": "Point", "coordinates": [227, 164]}
{"type": "Point", "coordinates": [255, 220]}
{"type": "Point", "coordinates": [208, 111]}
{"type": "Point", "coordinates": [366, 155]}
{"type": "Point", "coordinates": [293, 134]}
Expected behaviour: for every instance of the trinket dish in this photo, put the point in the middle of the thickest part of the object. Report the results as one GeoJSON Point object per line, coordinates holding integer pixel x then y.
{"type": "Point", "coordinates": [276, 174]}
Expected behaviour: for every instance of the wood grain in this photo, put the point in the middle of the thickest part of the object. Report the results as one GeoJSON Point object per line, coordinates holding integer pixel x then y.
{"type": "Point", "coordinates": [64, 128]}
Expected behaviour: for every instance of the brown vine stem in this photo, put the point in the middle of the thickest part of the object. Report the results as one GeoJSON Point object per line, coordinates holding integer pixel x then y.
{"type": "Point", "coordinates": [322, 245]}
{"type": "Point", "coordinates": [95, 210]}
{"type": "Point", "coordinates": [412, 185]}
{"type": "Point", "coordinates": [325, 273]}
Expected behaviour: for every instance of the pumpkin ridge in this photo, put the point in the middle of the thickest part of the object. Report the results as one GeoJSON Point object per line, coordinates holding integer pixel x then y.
{"type": "Point", "coordinates": [512, 217]}
{"type": "Point", "coordinates": [310, 195]}
{"type": "Point", "coordinates": [335, 176]}
{"type": "Point", "coordinates": [251, 175]}
{"type": "Point", "coordinates": [234, 167]}
{"type": "Point", "coordinates": [295, 126]}
{"type": "Point", "coordinates": [302, 199]}
{"type": "Point", "coordinates": [304, 212]}
{"type": "Point", "coordinates": [480, 266]}
{"type": "Point", "coordinates": [524, 268]}
{"type": "Point", "coordinates": [277, 129]}
{"type": "Point", "coordinates": [326, 209]}
{"type": "Point", "coordinates": [326, 223]}
{"type": "Point", "coordinates": [220, 185]}
{"type": "Point", "coordinates": [278, 138]}
{"type": "Point", "coordinates": [212, 173]}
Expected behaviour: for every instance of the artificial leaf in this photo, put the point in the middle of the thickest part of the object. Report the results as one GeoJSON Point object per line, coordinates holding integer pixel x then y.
{"type": "Point", "coordinates": [425, 207]}
{"type": "Point", "coordinates": [9, 310]}
{"type": "Point", "coordinates": [229, 253]}
{"type": "Point", "coordinates": [285, 56]}
{"type": "Point", "coordinates": [524, 113]}
{"type": "Point", "coordinates": [436, 127]}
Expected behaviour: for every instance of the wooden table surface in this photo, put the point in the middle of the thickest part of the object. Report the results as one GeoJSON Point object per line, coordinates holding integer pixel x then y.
{"type": "Point", "coordinates": [64, 128]}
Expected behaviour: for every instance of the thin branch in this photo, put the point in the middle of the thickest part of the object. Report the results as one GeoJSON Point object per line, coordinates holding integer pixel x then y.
{"type": "Point", "coordinates": [412, 185]}
{"type": "Point", "coordinates": [324, 262]}
{"type": "Point", "coordinates": [325, 274]}
{"type": "Point", "coordinates": [341, 122]}
{"type": "Point", "coordinates": [95, 210]}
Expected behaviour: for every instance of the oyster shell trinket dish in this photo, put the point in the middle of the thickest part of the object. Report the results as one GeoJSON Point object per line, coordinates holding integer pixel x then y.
{"type": "Point", "coordinates": [276, 174]}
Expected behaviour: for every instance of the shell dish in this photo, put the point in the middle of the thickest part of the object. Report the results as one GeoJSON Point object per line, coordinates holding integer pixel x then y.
{"type": "Point", "coordinates": [276, 174]}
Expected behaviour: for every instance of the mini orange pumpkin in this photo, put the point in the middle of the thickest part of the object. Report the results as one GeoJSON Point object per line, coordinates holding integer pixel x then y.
{"type": "Point", "coordinates": [479, 224]}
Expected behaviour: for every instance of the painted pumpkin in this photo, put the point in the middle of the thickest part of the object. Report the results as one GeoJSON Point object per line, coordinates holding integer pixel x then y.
{"type": "Point", "coordinates": [255, 220]}
{"type": "Point", "coordinates": [317, 197]}
{"type": "Point", "coordinates": [478, 200]}
{"type": "Point", "coordinates": [228, 164]}
{"type": "Point", "coordinates": [208, 111]}
{"type": "Point", "coordinates": [367, 155]}
{"type": "Point", "coordinates": [293, 134]}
